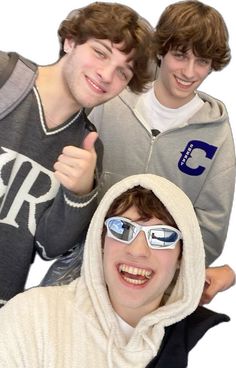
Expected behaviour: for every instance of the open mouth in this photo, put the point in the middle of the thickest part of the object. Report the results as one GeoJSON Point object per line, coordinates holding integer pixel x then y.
{"type": "Point", "coordinates": [134, 275]}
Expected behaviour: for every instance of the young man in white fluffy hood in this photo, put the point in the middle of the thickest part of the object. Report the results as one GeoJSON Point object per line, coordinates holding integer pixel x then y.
{"type": "Point", "coordinates": [115, 314]}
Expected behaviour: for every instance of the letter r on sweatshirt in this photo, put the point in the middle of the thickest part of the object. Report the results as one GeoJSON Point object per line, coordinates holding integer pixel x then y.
{"type": "Point", "coordinates": [16, 191]}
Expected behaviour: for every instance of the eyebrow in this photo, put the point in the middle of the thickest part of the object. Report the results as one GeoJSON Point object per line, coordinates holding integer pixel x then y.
{"type": "Point", "coordinates": [103, 44]}
{"type": "Point", "coordinates": [109, 49]}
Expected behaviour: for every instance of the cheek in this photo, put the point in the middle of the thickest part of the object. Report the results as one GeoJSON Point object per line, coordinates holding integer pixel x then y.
{"type": "Point", "coordinates": [169, 259]}
{"type": "Point", "coordinates": [205, 73]}
{"type": "Point", "coordinates": [110, 257]}
{"type": "Point", "coordinates": [166, 74]}
{"type": "Point", "coordinates": [109, 253]}
{"type": "Point", "coordinates": [169, 268]}
{"type": "Point", "coordinates": [170, 66]}
{"type": "Point", "coordinates": [117, 86]}
{"type": "Point", "coordinates": [169, 263]}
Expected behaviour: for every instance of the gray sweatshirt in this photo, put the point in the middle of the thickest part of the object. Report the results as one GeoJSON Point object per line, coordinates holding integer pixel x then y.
{"type": "Point", "coordinates": [198, 156]}
{"type": "Point", "coordinates": [36, 213]}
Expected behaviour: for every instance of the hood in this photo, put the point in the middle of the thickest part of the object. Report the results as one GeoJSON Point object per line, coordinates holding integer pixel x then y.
{"type": "Point", "coordinates": [187, 290]}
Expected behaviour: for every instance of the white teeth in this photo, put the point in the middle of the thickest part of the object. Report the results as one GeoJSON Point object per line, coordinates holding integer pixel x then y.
{"type": "Point", "coordinates": [135, 271]}
{"type": "Point", "coordinates": [184, 82]}
{"type": "Point", "coordinates": [134, 281]}
{"type": "Point", "coordinates": [94, 85]}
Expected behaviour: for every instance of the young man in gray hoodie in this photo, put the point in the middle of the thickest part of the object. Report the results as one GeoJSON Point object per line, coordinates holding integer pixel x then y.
{"type": "Point", "coordinates": [176, 131]}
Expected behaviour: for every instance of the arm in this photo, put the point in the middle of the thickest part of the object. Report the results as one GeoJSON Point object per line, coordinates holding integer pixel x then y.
{"type": "Point", "coordinates": [217, 279]}
{"type": "Point", "coordinates": [16, 341]}
{"type": "Point", "coordinates": [214, 203]}
{"type": "Point", "coordinates": [60, 227]}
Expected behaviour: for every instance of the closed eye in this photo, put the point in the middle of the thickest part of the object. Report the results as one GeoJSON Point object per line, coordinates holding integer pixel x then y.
{"type": "Point", "coordinates": [204, 61]}
{"type": "Point", "coordinates": [125, 74]}
{"type": "Point", "coordinates": [101, 54]}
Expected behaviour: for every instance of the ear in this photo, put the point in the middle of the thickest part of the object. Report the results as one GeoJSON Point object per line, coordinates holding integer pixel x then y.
{"type": "Point", "coordinates": [69, 45]}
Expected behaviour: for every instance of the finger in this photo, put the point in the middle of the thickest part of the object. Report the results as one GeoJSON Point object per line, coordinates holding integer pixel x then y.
{"type": "Point", "coordinates": [64, 180]}
{"type": "Point", "coordinates": [90, 140]}
{"type": "Point", "coordinates": [65, 169]}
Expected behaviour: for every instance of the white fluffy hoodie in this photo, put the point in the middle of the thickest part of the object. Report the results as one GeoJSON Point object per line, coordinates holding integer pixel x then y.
{"type": "Point", "coordinates": [75, 326]}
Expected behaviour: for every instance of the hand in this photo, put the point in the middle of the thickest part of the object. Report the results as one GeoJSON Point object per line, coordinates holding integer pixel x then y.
{"type": "Point", "coordinates": [75, 167]}
{"type": "Point", "coordinates": [217, 279]}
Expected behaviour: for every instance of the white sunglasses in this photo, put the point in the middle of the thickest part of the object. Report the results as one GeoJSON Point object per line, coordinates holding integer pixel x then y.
{"type": "Point", "coordinates": [158, 236]}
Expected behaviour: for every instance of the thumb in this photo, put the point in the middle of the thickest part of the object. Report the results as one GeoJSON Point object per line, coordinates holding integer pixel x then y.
{"type": "Point", "coordinates": [90, 140]}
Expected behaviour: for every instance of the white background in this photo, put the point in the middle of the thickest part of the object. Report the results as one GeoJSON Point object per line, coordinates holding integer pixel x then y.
{"type": "Point", "coordinates": [30, 27]}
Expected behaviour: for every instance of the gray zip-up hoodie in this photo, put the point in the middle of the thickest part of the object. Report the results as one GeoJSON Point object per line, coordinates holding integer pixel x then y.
{"type": "Point", "coordinates": [198, 156]}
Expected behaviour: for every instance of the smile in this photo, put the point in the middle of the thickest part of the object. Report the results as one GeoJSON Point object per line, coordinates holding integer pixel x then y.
{"type": "Point", "coordinates": [183, 82]}
{"type": "Point", "coordinates": [134, 275]}
{"type": "Point", "coordinates": [95, 86]}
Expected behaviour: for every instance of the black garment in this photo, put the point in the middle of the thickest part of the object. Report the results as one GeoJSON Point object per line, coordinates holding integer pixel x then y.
{"type": "Point", "coordinates": [181, 337]}
{"type": "Point", "coordinates": [38, 214]}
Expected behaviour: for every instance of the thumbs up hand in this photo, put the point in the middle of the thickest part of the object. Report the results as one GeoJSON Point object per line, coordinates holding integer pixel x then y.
{"type": "Point", "coordinates": [75, 166]}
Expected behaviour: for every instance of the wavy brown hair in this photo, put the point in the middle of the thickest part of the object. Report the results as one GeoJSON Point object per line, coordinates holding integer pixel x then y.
{"type": "Point", "coordinates": [193, 25]}
{"type": "Point", "coordinates": [117, 23]}
{"type": "Point", "coordinates": [146, 203]}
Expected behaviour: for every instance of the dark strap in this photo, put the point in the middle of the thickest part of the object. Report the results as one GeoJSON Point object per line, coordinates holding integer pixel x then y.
{"type": "Point", "coordinates": [16, 80]}
{"type": "Point", "coordinates": [182, 336]}
{"type": "Point", "coordinates": [5, 75]}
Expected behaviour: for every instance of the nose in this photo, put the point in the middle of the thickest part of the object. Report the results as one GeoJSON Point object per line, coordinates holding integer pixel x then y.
{"type": "Point", "coordinates": [139, 246]}
{"type": "Point", "coordinates": [106, 73]}
{"type": "Point", "coordinates": [188, 70]}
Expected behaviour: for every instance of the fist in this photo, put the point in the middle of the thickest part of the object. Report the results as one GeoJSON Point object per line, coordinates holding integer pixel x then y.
{"type": "Point", "coordinates": [75, 166]}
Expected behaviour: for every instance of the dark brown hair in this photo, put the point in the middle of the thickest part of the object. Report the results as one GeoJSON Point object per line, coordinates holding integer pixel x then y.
{"type": "Point", "coordinates": [146, 203]}
{"type": "Point", "coordinates": [117, 23]}
{"type": "Point", "coordinates": [193, 25]}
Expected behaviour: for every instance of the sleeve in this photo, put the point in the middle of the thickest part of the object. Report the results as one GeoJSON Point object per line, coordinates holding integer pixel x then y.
{"type": "Point", "coordinates": [15, 336]}
{"type": "Point", "coordinates": [214, 215]}
{"type": "Point", "coordinates": [214, 203]}
{"type": "Point", "coordinates": [66, 220]}
{"type": "Point", "coordinates": [62, 224]}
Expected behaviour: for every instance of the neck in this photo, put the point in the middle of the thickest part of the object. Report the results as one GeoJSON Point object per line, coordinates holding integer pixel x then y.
{"type": "Point", "coordinates": [132, 316]}
{"type": "Point", "coordinates": [57, 104]}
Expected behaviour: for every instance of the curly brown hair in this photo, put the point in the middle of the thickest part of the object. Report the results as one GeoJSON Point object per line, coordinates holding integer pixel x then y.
{"type": "Point", "coordinates": [117, 23]}
{"type": "Point", "coordinates": [193, 25]}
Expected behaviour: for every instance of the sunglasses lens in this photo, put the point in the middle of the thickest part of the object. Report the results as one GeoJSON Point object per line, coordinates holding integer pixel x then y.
{"type": "Point", "coordinates": [162, 237]}
{"type": "Point", "coordinates": [121, 229]}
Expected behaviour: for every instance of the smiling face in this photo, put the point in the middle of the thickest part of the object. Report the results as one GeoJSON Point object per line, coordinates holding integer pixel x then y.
{"type": "Point", "coordinates": [95, 71]}
{"type": "Point", "coordinates": [136, 275]}
{"type": "Point", "coordinates": [179, 77]}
